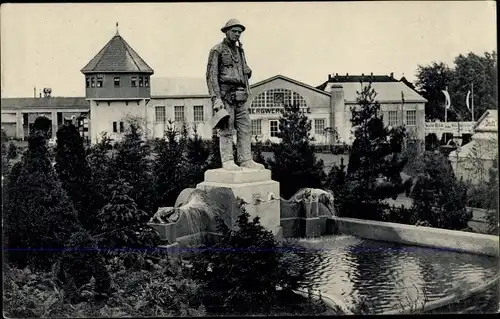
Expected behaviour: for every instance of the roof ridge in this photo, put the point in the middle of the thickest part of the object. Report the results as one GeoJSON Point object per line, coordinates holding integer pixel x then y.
{"type": "Point", "coordinates": [105, 49]}
{"type": "Point", "coordinates": [127, 49]}
{"type": "Point", "coordinates": [131, 50]}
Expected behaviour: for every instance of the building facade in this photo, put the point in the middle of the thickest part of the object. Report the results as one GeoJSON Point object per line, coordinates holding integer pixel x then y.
{"type": "Point", "coordinates": [119, 86]}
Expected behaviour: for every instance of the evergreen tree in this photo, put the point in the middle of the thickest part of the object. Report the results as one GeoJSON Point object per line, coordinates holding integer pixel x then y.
{"type": "Point", "coordinates": [123, 225]}
{"type": "Point", "coordinates": [103, 171]}
{"type": "Point", "coordinates": [74, 173]}
{"type": "Point", "coordinates": [375, 154]}
{"type": "Point", "coordinates": [5, 158]}
{"type": "Point", "coordinates": [170, 167]}
{"type": "Point", "coordinates": [40, 215]}
{"type": "Point", "coordinates": [295, 165]}
{"type": "Point", "coordinates": [240, 274]}
{"type": "Point", "coordinates": [44, 125]}
{"type": "Point", "coordinates": [134, 163]}
{"type": "Point", "coordinates": [197, 153]}
{"type": "Point", "coordinates": [439, 199]}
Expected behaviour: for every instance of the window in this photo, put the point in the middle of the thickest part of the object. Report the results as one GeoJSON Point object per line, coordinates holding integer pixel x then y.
{"type": "Point", "coordinates": [115, 127]}
{"type": "Point", "coordinates": [122, 127]}
{"type": "Point", "coordinates": [92, 82]}
{"type": "Point", "coordinates": [160, 114]}
{"type": "Point", "coordinates": [140, 81]}
{"type": "Point", "coordinates": [319, 126]}
{"type": "Point", "coordinates": [273, 128]}
{"type": "Point", "coordinates": [116, 80]}
{"type": "Point", "coordinates": [393, 118]}
{"type": "Point", "coordinates": [133, 81]}
{"type": "Point", "coordinates": [411, 117]}
{"type": "Point", "coordinates": [146, 81]}
{"type": "Point", "coordinates": [278, 97]}
{"type": "Point", "coordinates": [256, 127]}
{"type": "Point", "coordinates": [99, 81]}
{"type": "Point", "coordinates": [179, 113]}
{"type": "Point", "coordinates": [198, 113]}
{"type": "Point", "coordinates": [87, 82]}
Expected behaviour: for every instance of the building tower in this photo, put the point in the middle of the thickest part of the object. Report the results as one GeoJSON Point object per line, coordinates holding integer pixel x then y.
{"type": "Point", "coordinates": [117, 82]}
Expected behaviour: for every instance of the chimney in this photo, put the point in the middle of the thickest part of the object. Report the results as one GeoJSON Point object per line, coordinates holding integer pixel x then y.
{"type": "Point", "coordinates": [347, 74]}
{"type": "Point", "coordinates": [337, 106]}
{"type": "Point", "coordinates": [371, 74]}
{"type": "Point", "coordinates": [336, 74]}
{"type": "Point", "coordinates": [329, 77]}
{"type": "Point", "coordinates": [392, 75]}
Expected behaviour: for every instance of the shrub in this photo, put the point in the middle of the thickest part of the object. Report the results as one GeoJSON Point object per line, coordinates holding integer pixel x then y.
{"type": "Point", "coordinates": [242, 272]}
{"type": "Point", "coordinates": [257, 150]}
{"type": "Point", "coordinates": [12, 152]}
{"type": "Point", "coordinates": [123, 225]}
{"type": "Point", "coordinates": [438, 198]}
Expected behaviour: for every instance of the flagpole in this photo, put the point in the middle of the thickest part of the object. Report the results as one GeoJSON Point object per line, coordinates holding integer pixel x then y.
{"type": "Point", "coordinates": [446, 109]}
{"type": "Point", "coordinates": [472, 93]}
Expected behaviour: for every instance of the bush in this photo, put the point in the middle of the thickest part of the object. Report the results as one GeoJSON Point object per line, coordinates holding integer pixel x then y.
{"type": "Point", "coordinates": [438, 198]}
{"type": "Point", "coordinates": [242, 272]}
{"type": "Point", "coordinates": [163, 291]}
{"type": "Point", "coordinates": [123, 225]}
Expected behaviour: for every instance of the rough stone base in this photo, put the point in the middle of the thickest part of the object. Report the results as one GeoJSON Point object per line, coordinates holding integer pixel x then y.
{"type": "Point", "coordinates": [256, 188]}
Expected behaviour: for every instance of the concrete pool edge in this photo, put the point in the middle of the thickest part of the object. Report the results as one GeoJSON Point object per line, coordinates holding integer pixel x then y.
{"type": "Point", "coordinates": [448, 300]}
{"type": "Point", "coordinates": [473, 243]}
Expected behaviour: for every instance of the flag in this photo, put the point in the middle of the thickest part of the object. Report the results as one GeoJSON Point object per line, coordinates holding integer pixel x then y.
{"type": "Point", "coordinates": [448, 100]}
{"type": "Point", "coordinates": [467, 100]}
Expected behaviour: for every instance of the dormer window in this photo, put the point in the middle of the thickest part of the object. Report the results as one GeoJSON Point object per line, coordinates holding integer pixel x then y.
{"type": "Point", "coordinates": [99, 81]}
{"type": "Point", "coordinates": [133, 81]}
{"type": "Point", "coordinates": [141, 83]}
{"type": "Point", "coordinates": [92, 82]}
{"type": "Point", "coordinates": [116, 81]}
{"type": "Point", "coordinates": [146, 81]}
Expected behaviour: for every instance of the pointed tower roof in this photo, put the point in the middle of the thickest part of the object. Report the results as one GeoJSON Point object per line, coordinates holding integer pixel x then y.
{"type": "Point", "coordinates": [117, 56]}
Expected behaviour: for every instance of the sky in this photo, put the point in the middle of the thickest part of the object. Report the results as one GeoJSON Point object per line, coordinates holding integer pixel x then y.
{"type": "Point", "coordinates": [46, 45]}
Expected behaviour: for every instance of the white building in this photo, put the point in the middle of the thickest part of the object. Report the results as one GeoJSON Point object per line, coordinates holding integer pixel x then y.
{"type": "Point", "coordinates": [473, 160]}
{"type": "Point", "coordinates": [119, 85]}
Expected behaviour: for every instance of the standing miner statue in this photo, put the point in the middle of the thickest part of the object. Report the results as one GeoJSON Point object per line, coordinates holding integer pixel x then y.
{"type": "Point", "coordinates": [227, 80]}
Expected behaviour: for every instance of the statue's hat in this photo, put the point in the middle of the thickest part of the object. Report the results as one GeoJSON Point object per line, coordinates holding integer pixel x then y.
{"type": "Point", "coordinates": [233, 23]}
{"type": "Point", "coordinates": [219, 118]}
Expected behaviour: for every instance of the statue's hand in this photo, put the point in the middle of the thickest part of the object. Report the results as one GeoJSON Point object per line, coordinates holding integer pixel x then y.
{"type": "Point", "coordinates": [218, 104]}
{"type": "Point", "coordinates": [247, 71]}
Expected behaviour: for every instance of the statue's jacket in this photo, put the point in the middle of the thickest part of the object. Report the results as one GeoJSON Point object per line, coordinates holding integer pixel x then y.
{"type": "Point", "coordinates": [226, 69]}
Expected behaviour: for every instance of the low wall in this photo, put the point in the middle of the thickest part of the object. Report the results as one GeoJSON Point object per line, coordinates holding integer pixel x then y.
{"type": "Point", "coordinates": [420, 236]}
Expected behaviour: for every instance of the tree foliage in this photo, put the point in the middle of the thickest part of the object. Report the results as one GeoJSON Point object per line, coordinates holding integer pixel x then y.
{"type": "Point", "coordinates": [134, 164]}
{"type": "Point", "coordinates": [242, 273]}
{"type": "Point", "coordinates": [103, 172]}
{"type": "Point", "coordinates": [375, 155]}
{"type": "Point", "coordinates": [40, 215]}
{"type": "Point", "coordinates": [74, 173]}
{"type": "Point", "coordinates": [439, 199]}
{"type": "Point", "coordinates": [467, 69]}
{"type": "Point", "coordinates": [295, 165]}
{"type": "Point", "coordinates": [123, 225]}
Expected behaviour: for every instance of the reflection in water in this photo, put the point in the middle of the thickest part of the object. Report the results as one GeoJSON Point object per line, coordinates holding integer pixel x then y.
{"type": "Point", "coordinates": [388, 276]}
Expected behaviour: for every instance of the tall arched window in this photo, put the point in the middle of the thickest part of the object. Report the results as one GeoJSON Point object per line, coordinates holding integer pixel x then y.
{"type": "Point", "coordinates": [278, 98]}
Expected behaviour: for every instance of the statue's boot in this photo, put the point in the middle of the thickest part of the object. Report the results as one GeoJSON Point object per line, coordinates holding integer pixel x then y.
{"type": "Point", "coordinates": [251, 164]}
{"type": "Point", "coordinates": [230, 165]}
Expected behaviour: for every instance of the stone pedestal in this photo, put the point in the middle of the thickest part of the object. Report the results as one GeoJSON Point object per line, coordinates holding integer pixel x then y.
{"type": "Point", "coordinates": [256, 188]}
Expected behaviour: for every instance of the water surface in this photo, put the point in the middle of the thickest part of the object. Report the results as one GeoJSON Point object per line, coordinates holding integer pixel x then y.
{"type": "Point", "coordinates": [389, 276]}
